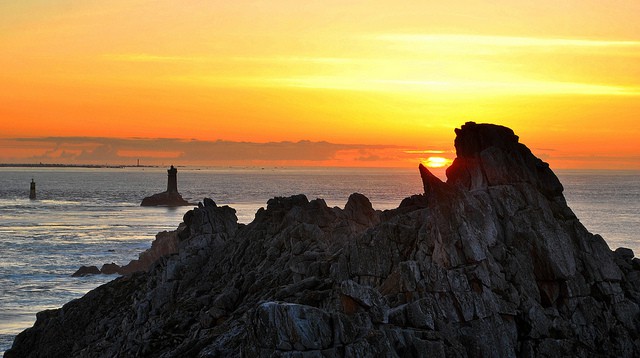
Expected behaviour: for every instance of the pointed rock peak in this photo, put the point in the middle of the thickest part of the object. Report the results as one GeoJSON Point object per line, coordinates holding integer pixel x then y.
{"type": "Point", "coordinates": [432, 184]}
{"type": "Point", "coordinates": [208, 202]}
{"type": "Point", "coordinates": [358, 202]}
{"type": "Point", "coordinates": [359, 209]}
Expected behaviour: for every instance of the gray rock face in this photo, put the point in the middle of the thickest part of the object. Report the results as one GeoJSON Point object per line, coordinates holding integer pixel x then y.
{"type": "Point", "coordinates": [491, 263]}
{"type": "Point", "coordinates": [165, 244]}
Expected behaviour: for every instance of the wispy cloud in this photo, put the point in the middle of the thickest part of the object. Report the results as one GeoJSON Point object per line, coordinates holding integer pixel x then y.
{"type": "Point", "coordinates": [516, 87]}
{"type": "Point", "coordinates": [425, 151]}
{"type": "Point", "coordinates": [457, 86]}
{"type": "Point", "coordinates": [503, 41]}
{"type": "Point", "coordinates": [101, 150]}
{"type": "Point", "coordinates": [146, 57]}
{"type": "Point", "coordinates": [424, 63]}
{"type": "Point", "coordinates": [160, 58]}
{"type": "Point", "coordinates": [164, 151]}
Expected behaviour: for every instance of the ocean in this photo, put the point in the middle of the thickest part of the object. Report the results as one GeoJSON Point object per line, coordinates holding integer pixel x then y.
{"type": "Point", "coordinates": [91, 216]}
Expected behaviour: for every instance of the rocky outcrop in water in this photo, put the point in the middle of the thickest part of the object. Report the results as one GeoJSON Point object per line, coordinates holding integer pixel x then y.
{"type": "Point", "coordinates": [491, 263]}
{"type": "Point", "coordinates": [86, 271]}
{"type": "Point", "coordinates": [165, 199]}
{"type": "Point", "coordinates": [169, 197]}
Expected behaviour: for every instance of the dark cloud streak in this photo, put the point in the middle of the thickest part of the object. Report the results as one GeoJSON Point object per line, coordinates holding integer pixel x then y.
{"type": "Point", "coordinates": [119, 150]}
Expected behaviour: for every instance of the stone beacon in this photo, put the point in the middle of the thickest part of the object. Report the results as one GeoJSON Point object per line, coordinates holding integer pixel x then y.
{"type": "Point", "coordinates": [172, 180]}
{"type": "Point", "coordinates": [32, 190]}
{"type": "Point", "coordinates": [171, 197]}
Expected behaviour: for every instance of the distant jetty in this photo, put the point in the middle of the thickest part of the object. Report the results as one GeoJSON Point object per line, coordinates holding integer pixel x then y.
{"type": "Point", "coordinates": [170, 197]}
{"type": "Point", "coordinates": [55, 165]}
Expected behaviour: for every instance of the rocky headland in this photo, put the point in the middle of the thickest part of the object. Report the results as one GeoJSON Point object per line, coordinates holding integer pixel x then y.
{"type": "Point", "coordinates": [490, 263]}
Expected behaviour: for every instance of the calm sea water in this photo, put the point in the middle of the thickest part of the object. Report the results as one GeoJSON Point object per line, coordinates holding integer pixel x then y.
{"type": "Point", "coordinates": [92, 216]}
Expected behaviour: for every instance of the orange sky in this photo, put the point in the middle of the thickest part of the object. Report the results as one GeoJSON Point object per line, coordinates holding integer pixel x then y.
{"type": "Point", "coordinates": [368, 83]}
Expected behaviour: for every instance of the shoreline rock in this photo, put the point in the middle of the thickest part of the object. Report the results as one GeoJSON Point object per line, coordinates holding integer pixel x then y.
{"type": "Point", "coordinates": [165, 244]}
{"type": "Point", "coordinates": [491, 262]}
{"type": "Point", "coordinates": [86, 271]}
{"type": "Point", "coordinates": [165, 199]}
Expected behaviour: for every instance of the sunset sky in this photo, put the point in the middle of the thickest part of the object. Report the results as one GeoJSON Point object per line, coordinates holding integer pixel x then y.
{"type": "Point", "coordinates": [289, 82]}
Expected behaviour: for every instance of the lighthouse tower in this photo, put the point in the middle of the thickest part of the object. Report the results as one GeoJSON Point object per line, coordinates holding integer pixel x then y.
{"type": "Point", "coordinates": [172, 181]}
{"type": "Point", "coordinates": [32, 190]}
{"type": "Point", "coordinates": [170, 197]}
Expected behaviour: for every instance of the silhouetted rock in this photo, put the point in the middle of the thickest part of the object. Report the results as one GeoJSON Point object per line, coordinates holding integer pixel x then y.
{"type": "Point", "coordinates": [491, 263]}
{"type": "Point", "coordinates": [86, 271]}
{"type": "Point", "coordinates": [110, 269]}
{"type": "Point", "coordinates": [490, 155]}
{"type": "Point", "coordinates": [165, 199]}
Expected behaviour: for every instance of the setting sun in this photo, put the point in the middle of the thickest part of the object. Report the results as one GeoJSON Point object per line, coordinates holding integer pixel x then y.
{"type": "Point", "coordinates": [436, 162]}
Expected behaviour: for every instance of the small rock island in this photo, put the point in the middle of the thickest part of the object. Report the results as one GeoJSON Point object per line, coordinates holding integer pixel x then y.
{"type": "Point", "coordinates": [490, 263]}
{"type": "Point", "coordinates": [170, 197]}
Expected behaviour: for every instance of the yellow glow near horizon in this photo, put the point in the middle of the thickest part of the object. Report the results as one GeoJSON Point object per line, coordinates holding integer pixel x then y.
{"type": "Point", "coordinates": [436, 162]}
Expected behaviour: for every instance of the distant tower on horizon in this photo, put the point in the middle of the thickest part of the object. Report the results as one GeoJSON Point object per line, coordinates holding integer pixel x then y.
{"type": "Point", "coordinates": [32, 190]}
{"type": "Point", "coordinates": [172, 181]}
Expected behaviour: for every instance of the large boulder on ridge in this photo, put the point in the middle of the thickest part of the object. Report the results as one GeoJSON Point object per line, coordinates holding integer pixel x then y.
{"type": "Point", "coordinates": [490, 263]}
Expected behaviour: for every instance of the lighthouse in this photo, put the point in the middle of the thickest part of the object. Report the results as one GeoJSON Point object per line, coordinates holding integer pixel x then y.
{"type": "Point", "coordinates": [172, 181]}
{"type": "Point", "coordinates": [171, 197]}
{"type": "Point", "coordinates": [32, 190]}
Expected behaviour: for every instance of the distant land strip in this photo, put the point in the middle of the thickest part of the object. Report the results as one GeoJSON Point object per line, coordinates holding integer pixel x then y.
{"type": "Point", "coordinates": [54, 165]}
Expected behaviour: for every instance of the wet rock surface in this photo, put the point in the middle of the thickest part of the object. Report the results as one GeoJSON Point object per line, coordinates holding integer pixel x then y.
{"type": "Point", "coordinates": [490, 263]}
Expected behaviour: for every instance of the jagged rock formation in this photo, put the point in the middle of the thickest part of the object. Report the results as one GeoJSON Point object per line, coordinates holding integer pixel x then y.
{"type": "Point", "coordinates": [491, 263]}
{"type": "Point", "coordinates": [165, 243]}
